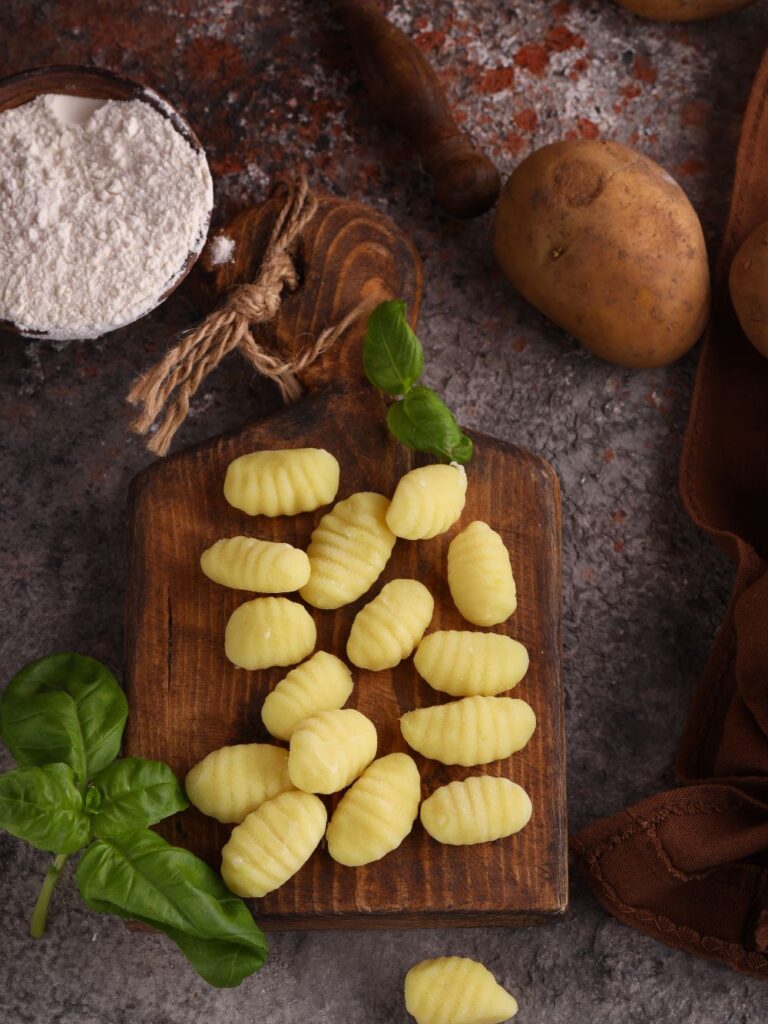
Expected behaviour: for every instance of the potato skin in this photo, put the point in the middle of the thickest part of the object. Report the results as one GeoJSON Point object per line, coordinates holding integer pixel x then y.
{"type": "Point", "coordinates": [748, 282]}
{"type": "Point", "coordinates": [605, 243]}
{"type": "Point", "coordinates": [683, 10]}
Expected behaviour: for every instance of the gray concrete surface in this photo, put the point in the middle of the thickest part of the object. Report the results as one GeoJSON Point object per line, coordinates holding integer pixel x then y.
{"type": "Point", "coordinates": [270, 87]}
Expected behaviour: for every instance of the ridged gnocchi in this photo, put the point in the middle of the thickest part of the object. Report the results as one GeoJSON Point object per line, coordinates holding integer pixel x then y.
{"type": "Point", "coordinates": [330, 749]}
{"type": "Point", "coordinates": [262, 566]}
{"type": "Point", "coordinates": [475, 730]}
{"type": "Point", "coordinates": [376, 814]}
{"type": "Point", "coordinates": [283, 482]}
{"type": "Point", "coordinates": [464, 663]}
{"type": "Point", "coordinates": [476, 810]}
{"type": "Point", "coordinates": [272, 844]}
{"type": "Point", "coordinates": [232, 782]}
{"type": "Point", "coordinates": [427, 501]}
{"type": "Point", "coordinates": [390, 626]}
{"type": "Point", "coordinates": [348, 550]}
{"type": "Point", "coordinates": [320, 684]}
{"type": "Point", "coordinates": [480, 576]}
{"type": "Point", "coordinates": [269, 631]}
{"type": "Point", "coordinates": [456, 990]}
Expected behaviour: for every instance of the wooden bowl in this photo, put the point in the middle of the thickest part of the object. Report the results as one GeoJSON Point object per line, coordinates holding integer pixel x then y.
{"type": "Point", "coordinates": [99, 84]}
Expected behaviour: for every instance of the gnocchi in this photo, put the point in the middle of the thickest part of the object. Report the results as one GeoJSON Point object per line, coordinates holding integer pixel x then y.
{"type": "Point", "coordinates": [330, 749]}
{"type": "Point", "coordinates": [231, 782]}
{"type": "Point", "coordinates": [348, 551]}
{"type": "Point", "coordinates": [476, 810]}
{"type": "Point", "coordinates": [269, 631]}
{"type": "Point", "coordinates": [475, 730]}
{"type": "Point", "coordinates": [427, 501]}
{"type": "Point", "coordinates": [456, 990]}
{"type": "Point", "coordinates": [390, 626]}
{"type": "Point", "coordinates": [464, 663]}
{"type": "Point", "coordinates": [262, 566]}
{"type": "Point", "coordinates": [376, 814]}
{"type": "Point", "coordinates": [283, 482]}
{"type": "Point", "coordinates": [321, 684]}
{"type": "Point", "coordinates": [480, 576]}
{"type": "Point", "coordinates": [272, 844]}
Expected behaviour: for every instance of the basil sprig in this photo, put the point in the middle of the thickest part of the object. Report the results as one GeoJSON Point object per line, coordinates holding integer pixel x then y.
{"type": "Point", "coordinates": [394, 361]}
{"type": "Point", "coordinates": [62, 718]}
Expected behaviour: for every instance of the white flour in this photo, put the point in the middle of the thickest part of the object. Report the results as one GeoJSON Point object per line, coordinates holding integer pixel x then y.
{"type": "Point", "coordinates": [99, 210]}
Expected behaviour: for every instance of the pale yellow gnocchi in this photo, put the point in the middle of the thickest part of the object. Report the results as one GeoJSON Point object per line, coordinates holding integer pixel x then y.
{"type": "Point", "coordinates": [480, 576]}
{"type": "Point", "coordinates": [464, 663]}
{"type": "Point", "coordinates": [476, 810]}
{"type": "Point", "coordinates": [320, 684]}
{"type": "Point", "coordinates": [456, 990]}
{"type": "Point", "coordinates": [348, 550]}
{"type": "Point", "coordinates": [231, 782]}
{"type": "Point", "coordinates": [262, 566]}
{"type": "Point", "coordinates": [390, 626]}
{"type": "Point", "coordinates": [427, 501]}
{"type": "Point", "coordinates": [269, 631]}
{"type": "Point", "coordinates": [330, 749]}
{"type": "Point", "coordinates": [282, 482]}
{"type": "Point", "coordinates": [376, 814]}
{"type": "Point", "coordinates": [272, 844]}
{"type": "Point", "coordinates": [475, 730]}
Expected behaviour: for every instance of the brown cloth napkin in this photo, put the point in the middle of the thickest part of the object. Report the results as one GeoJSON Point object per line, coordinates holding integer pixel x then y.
{"type": "Point", "coordinates": [690, 867]}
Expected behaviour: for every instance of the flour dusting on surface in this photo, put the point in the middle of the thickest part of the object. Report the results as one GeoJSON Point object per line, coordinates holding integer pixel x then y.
{"type": "Point", "coordinates": [97, 217]}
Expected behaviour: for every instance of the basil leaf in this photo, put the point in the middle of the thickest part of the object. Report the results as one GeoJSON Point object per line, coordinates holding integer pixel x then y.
{"type": "Point", "coordinates": [424, 422]}
{"type": "Point", "coordinates": [142, 877]}
{"type": "Point", "coordinates": [131, 794]}
{"type": "Point", "coordinates": [66, 708]}
{"type": "Point", "coordinates": [392, 354]}
{"type": "Point", "coordinates": [44, 807]}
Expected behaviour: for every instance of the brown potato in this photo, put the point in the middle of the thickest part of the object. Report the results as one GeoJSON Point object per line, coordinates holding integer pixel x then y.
{"type": "Point", "coordinates": [748, 282]}
{"type": "Point", "coordinates": [605, 243]}
{"type": "Point", "coordinates": [683, 10]}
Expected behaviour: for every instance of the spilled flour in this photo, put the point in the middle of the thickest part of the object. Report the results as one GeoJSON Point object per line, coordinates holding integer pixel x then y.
{"type": "Point", "coordinates": [100, 205]}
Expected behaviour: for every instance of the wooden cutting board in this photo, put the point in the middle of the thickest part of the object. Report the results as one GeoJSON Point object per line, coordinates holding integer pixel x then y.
{"type": "Point", "coordinates": [186, 699]}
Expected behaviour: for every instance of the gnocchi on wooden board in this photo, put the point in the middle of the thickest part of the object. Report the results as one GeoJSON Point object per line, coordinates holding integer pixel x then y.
{"type": "Point", "coordinates": [270, 793]}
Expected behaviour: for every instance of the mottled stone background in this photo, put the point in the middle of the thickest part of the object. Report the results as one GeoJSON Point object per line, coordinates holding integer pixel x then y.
{"type": "Point", "coordinates": [271, 87]}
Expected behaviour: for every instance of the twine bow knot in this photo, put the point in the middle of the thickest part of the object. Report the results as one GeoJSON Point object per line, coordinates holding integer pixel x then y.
{"type": "Point", "coordinates": [167, 389]}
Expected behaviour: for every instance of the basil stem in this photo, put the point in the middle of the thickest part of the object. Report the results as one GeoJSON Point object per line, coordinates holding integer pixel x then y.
{"type": "Point", "coordinates": [40, 913]}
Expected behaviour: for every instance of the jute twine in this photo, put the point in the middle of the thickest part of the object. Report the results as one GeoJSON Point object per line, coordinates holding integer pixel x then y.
{"type": "Point", "coordinates": [165, 390]}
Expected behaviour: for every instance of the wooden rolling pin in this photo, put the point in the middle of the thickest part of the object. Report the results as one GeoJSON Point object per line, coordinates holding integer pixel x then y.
{"type": "Point", "coordinates": [407, 91]}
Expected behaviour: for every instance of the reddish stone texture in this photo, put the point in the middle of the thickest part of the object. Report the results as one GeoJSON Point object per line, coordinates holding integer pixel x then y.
{"type": "Point", "coordinates": [526, 119]}
{"type": "Point", "coordinates": [643, 70]}
{"type": "Point", "coordinates": [533, 57]}
{"type": "Point", "coordinates": [496, 79]}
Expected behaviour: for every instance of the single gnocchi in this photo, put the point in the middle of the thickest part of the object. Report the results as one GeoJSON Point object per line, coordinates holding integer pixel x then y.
{"type": "Point", "coordinates": [322, 683]}
{"type": "Point", "coordinates": [464, 663]}
{"type": "Point", "coordinates": [269, 631]}
{"type": "Point", "coordinates": [456, 990]}
{"type": "Point", "coordinates": [376, 814]}
{"type": "Point", "coordinates": [427, 501]}
{"type": "Point", "coordinates": [476, 810]}
{"type": "Point", "coordinates": [330, 749]}
{"type": "Point", "coordinates": [390, 626]}
{"type": "Point", "coordinates": [348, 550]}
{"type": "Point", "coordinates": [283, 482]}
{"type": "Point", "coordinates": [232, 782]}
{"type": "Point", "coordinates": [474, 730]}
{"type": "Point", "coordinates": [261, 566]}
{"type": "Point", "coordinates": [480, 576]}
{"type": "Point", "coordinates": [272, 844]}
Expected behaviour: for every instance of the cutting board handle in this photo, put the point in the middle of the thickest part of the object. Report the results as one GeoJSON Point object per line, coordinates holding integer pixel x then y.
{"type": "Point", "coordinates": [347, 252]}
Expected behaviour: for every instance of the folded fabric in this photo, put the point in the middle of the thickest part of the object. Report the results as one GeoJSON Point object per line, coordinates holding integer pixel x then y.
{"type": "Point", "coordinates": [690, 866]}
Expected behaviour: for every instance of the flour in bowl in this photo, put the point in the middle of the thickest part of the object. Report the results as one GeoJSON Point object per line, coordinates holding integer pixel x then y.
{"type": "Point", "coordinates": [99, 210]}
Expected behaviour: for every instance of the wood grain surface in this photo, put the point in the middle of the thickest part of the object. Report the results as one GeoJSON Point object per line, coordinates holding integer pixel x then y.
{"type": "Point", "coordinates": [186, 699]}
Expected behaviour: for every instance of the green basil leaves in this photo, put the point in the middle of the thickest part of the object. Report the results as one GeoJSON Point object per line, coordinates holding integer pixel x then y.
{"type": "Point", "coordinates": [66, 708]}
{"type": "Point", "coordinates": [44, 807]}
{"type": "Point", "coordinates": [394, 361]}
{"type": "Point", "coordinates": [62, 718]}
{"type": "Point", "coordinates": [141, 877]}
